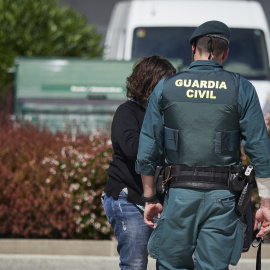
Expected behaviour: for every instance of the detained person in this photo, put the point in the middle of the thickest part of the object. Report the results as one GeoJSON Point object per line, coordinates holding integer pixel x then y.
{"type": "Point", "coordinates": [122, 202]}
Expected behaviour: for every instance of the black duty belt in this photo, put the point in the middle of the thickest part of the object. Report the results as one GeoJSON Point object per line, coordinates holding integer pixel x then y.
{"type": "Point", "coordinates": [199, 177]}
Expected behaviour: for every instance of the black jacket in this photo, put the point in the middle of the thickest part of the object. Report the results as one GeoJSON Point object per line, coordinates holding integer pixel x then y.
{"type": "Point", "coordinates": [125, 132]}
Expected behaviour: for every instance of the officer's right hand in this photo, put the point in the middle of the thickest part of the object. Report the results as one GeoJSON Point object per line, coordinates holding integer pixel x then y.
{"type": "Point", "coordinates": [263, 216]}
{"type": "Point", "coordinates": [151, 210]}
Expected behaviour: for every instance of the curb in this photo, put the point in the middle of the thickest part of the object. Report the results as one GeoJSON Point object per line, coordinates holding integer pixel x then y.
{"type": "Point", "coordinates": [84, 247]}
{"type": "Point", "coordinates": [59, 247]}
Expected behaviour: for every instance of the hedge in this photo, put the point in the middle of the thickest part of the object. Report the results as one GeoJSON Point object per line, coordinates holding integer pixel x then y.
{"type": "Point", "coordinates": [51, 184]}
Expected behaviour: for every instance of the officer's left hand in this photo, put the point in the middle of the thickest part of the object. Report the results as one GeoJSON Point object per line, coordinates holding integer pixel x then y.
{"type": "Point", "coordinates": [263, 216]}
{"type": "Point", "coordinates": [152, 210]}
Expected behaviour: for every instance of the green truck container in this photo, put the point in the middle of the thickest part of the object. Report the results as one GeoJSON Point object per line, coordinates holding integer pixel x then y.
{"type": "Point", "coordinates": [69, 93]}
{"type": "Point", "coordinates": [75, 94]}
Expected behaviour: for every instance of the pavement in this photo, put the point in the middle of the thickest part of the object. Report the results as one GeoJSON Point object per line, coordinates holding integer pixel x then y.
{"type": "Point", "coordinates": [71, 262]}
{"type": "Point", "coordinates": [27, 254]}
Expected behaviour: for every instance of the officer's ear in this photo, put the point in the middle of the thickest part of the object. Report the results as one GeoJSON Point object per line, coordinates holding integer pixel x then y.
{"type": "Point", "coordinates": [193, 48]}
{"type": "Point", "coordinates": [225, 54]}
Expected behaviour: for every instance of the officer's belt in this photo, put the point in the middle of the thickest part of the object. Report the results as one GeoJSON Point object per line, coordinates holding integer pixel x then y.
{"type": "Point", "coordinates": [199, 177]}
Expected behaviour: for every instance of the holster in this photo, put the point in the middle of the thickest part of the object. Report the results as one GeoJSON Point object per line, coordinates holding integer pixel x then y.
{"type": "Point", "coordinates": [246, 194]}
{"type": "Point", "coordinates": [162, 177]}
{"type": "Point", "coordinates": [242, 182]}
{"type": "Point", "coordinates": [237, 178]}
{"type": "Point", "coordinates": [159, 178]}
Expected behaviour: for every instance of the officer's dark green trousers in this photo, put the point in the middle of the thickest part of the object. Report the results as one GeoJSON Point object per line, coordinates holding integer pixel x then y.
{"type": "Point", "coordinates": [200, 222]}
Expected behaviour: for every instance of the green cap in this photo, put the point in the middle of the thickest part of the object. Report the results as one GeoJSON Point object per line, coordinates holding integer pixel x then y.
{"type": "Point", "coordinates": [212, 28]}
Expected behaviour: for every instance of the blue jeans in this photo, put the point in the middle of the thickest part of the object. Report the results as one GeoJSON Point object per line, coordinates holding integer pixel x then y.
{"type": "Point", "coordinates": [130, 230]}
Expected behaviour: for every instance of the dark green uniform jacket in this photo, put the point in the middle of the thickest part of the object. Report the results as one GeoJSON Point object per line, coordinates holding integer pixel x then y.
{"type": "Point", "coordinates": [199, 117]}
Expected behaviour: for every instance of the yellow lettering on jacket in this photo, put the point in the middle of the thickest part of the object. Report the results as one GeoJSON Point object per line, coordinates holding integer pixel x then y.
{"type": "Point", "coordinates": [179, 83]}
{"type": "Point", "coordinates": [190, 93]}
{"type": "Point", "coordinates": [211, 84]}
{"type": "Point", "coordinates": [195, 84]}
{"type": "Point", "coordinates": [223, 85]}
{"type": "Point", "coordinates": [209, 94]}
{"type": "Point", "coordinates": [203, 84]}
{"type": "Point", "coordinates": [187, 83]}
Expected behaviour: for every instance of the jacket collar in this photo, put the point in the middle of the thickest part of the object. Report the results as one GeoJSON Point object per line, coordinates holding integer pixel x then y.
{"type": "Point", "coordinates": [205, 65]}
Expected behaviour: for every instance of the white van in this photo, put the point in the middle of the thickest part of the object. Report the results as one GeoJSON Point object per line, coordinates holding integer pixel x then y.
{"type": "Point", "coordinates": [163, 27]}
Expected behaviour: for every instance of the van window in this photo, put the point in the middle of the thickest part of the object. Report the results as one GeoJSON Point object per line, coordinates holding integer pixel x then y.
{"type": "Point", "coordinates": [169, 42]}
{"type": "Point", "coordinates": [247, 56]}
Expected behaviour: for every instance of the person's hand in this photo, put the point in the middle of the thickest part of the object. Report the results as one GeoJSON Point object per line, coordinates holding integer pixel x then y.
{"type": "Point", "coordinates": [263, 216]}
{"type": "Point", "coordinates": [152, 210]}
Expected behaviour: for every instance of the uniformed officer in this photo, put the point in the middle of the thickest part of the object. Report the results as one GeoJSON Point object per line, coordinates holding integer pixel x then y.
{"type": "Point", "coordinates": [199, 117]}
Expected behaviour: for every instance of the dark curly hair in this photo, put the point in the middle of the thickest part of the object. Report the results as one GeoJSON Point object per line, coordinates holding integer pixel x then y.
{"type": "Point", "coordinates": [147, 72]}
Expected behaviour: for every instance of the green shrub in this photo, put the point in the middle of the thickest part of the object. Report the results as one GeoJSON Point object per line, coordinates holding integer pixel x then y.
{"type": "Point", "coordinates": [42, 28]}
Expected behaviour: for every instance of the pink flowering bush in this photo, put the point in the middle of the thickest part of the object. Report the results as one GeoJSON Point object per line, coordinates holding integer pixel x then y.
{"type": "Point", "coordinates": [82, 163]}
{"type": "Point", "coordinates": [51, 185]}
